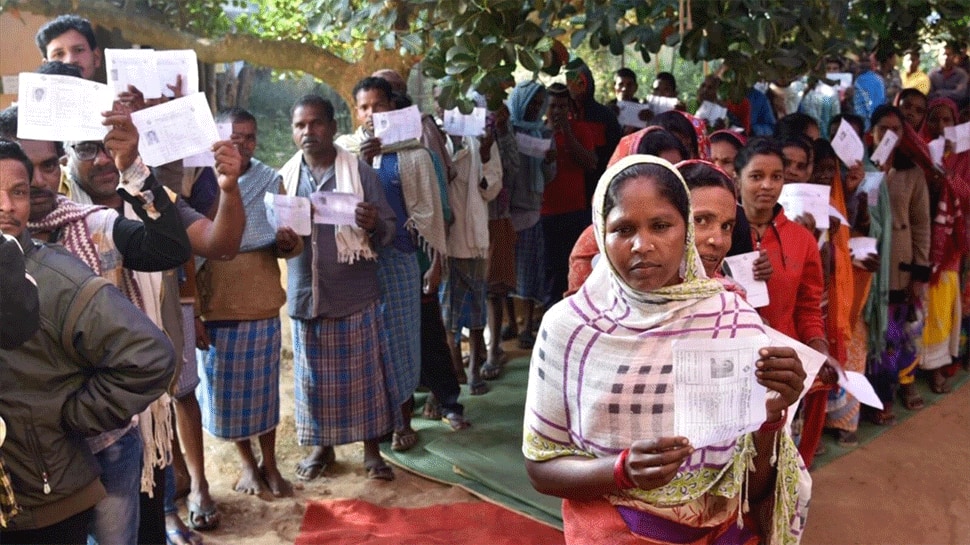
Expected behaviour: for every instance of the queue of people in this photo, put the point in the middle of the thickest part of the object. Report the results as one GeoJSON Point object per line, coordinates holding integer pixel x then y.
{"type": "Point", "coordinates": [153, 295]}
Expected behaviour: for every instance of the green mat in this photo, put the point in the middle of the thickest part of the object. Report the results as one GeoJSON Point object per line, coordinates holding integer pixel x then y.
{"type": "Point", "coordinates": [485, 459]}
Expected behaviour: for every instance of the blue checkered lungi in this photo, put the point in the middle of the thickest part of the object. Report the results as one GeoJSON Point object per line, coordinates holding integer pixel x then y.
{"type": "Point", "coordinates": [400, 278]}
{"type": "Point", "coordinates": [239, 392]}
{"type": "Point", "coordinates": [530, 270]}
{"type": "Point", "coordinates": [344, 387]}
{"type": "Point", "coordinates": [463, 294]}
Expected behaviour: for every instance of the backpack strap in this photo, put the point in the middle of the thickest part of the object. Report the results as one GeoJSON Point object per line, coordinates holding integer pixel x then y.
{"type": "Point", "coordinates": [84, 295]}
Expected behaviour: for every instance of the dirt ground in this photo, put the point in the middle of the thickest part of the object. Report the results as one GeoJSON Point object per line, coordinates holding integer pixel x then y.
{"type": "Point", "coordinates": [909, 486]}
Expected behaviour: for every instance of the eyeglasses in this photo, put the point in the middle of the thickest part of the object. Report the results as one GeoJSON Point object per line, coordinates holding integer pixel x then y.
{"type": "Point", "coordinates": [88, 151]}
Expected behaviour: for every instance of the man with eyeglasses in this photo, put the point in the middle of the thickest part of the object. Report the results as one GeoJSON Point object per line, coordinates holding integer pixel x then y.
{"type": "Point", "coordinates": [110, 174]}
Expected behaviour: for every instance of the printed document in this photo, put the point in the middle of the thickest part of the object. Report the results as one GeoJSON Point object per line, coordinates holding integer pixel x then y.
{"type": "Point", "coordinates": [716, 393]}
{"type": "Point", "coordinates": [630, 113]}
{"type": "Point", "coordinates": [660, 104]}
{"type": "Point", "coordinates": [207, 158]}
{"type": "Point", "coordinates": [397, 125]}
{"type": "Point", "coordinates": [960, 136]}
{"type": "Point", "coordinates": [847, 144]}
{"type": "Point", "coordinates": [175, 129]}
{"type": "Point", "coordinates": [334, 208]}
{"type": "Point", "coordinates": [459, 124]}
{"type": "Point", "coordinates": [286, 211]}
{"type": "Point", "coordinates": [711, 112]}
{"type": "Point", "coordinates": [532, 146]}
{"type": "Point", "coordinates": [135, 67]}
{"type": "Point", "coordinates": [173, 63]}
{"type": "Point", "coordinates": [798, 199]}
{"type": "Point", "coordinates": [741, 268]}
{"type": "Point", "coordinates": [861, 247]}
{"type": "Point", "coordinates": [885, 147]}
{"type": "Point", "coordinates": [61, 108]}
{"type": "Point", "coordinates": [871, 184]}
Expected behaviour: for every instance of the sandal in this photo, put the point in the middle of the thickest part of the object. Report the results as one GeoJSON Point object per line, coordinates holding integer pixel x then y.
{"type": "Point", "coordinates": [307, 469]}
{"type": "Point", "coordinates": [490, 371]}
{"type": "Point", "coordinates": [939, 383]}
{"type": "Point", "coordinates": [176, 536]}
{"type": "Point", "coordinates": [456, 420]}
{"type": "Point", "coordinates": [404, 440]}
{"type": "Point", "coordinates": [380, 472]}
{"type": "Point", "coordinates": [848, 439]}
{"type": "Point", "coordinates": [883, 418]}
{"type": "Point", "coordinates": [478, 388]}
{"type": "Point", "coordinates": [911, 398]}
{"type": "Point", "coordinates": [202, 519]}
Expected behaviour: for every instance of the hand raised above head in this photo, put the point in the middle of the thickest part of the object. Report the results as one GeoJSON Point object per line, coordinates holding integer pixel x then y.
{"type": "Point", "coordinates": [122, 138]}
{"type": "Point", "coordinates": [228, 164]}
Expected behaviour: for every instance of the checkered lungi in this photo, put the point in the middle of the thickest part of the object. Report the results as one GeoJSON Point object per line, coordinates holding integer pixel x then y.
{"type": "Point", "coordinates": [345, 390]}
{"type": "Point", "coordinates": [530, 270]}
{"type": "Point", "coordinates": [400, 279]}
{"type": "Point", "coordinates": [240, 389]}
{"type": "Point", "coordinates": [463, 294]}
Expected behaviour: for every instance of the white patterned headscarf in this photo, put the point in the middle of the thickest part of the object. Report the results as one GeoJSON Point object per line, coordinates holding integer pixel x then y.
{"type": "Point", "coordinates": [694, 281]}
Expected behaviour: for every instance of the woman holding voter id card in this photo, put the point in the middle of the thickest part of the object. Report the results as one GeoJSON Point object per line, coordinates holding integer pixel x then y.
{"type": "Point", "coordinates": [600, 409]}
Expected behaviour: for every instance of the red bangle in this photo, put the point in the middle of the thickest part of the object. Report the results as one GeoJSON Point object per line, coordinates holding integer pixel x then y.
{"type": "Point", "coordinates": [772, 427]}
{"type": "Point", "coordinates": [620, 476]}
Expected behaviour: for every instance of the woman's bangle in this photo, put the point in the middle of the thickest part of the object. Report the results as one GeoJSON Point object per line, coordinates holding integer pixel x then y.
{"type": "Point", "coordinates": [620, 476]}
{"type": "Point", "coordinates": [772, 427]}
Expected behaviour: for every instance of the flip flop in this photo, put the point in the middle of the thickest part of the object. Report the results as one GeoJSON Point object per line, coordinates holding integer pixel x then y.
{"type": "Point", "coordinates": [184, 536]}
{"type": "Point", "coordinates": [939, 383]}
{"type": "Point", "coordinates": [911, 398]}
{"type": "Point", "coordinates": [404, 440]}
{"type": "Point", "coordinates": [307, 471]}
{"type": "Point", "coordinates": [380, 472]}
{"type": "Point", "coordinates": [490, 371]}
{"type": "Point", "coordinates": [478, 388]}
{"type": "Point", "coordinates": [202, 519]}
{"type": "Point", "coordinates": [455, 420]}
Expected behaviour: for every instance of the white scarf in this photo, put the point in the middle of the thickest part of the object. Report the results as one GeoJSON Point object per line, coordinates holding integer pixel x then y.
{"type": "Point", "coordinates": [352, 241]}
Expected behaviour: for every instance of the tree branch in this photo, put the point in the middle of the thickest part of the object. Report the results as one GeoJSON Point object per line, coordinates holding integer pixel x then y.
{"type": "Point", "coordinates": [142, 27]}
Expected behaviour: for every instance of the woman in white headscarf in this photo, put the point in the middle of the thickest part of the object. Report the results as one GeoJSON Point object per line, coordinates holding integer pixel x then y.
{"type": "Point", "coordinates": [599, 415]}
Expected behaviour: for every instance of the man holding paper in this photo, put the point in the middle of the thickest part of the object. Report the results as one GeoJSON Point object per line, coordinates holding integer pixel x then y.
{"type": "Point", "coordinates": [98, 173]}
{"type": "Point", "coordinates": [345, 389]}
{"type": "Point", "coordinates": [240, 301]}
{"type": "Point", "coordinates": [417, 195]}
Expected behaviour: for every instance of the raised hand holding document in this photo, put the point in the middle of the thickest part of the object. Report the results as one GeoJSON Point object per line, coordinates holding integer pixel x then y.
{"type": "Point", "coordinates": [61, 108]}
{"type": "Point", "coordinates": [175, 129]}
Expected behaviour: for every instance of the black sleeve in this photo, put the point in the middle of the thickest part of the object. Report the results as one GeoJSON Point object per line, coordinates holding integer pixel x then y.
{"type": "Point", "coordinates": [152, 244]}
{"type": "Point", "coordinates": [19, 316]}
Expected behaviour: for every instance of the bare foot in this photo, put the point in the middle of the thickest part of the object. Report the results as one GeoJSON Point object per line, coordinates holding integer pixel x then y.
{"type": "Point", "coordinates": [280, 487]}
{"type": "Point", "coordinates": [250, 482]}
